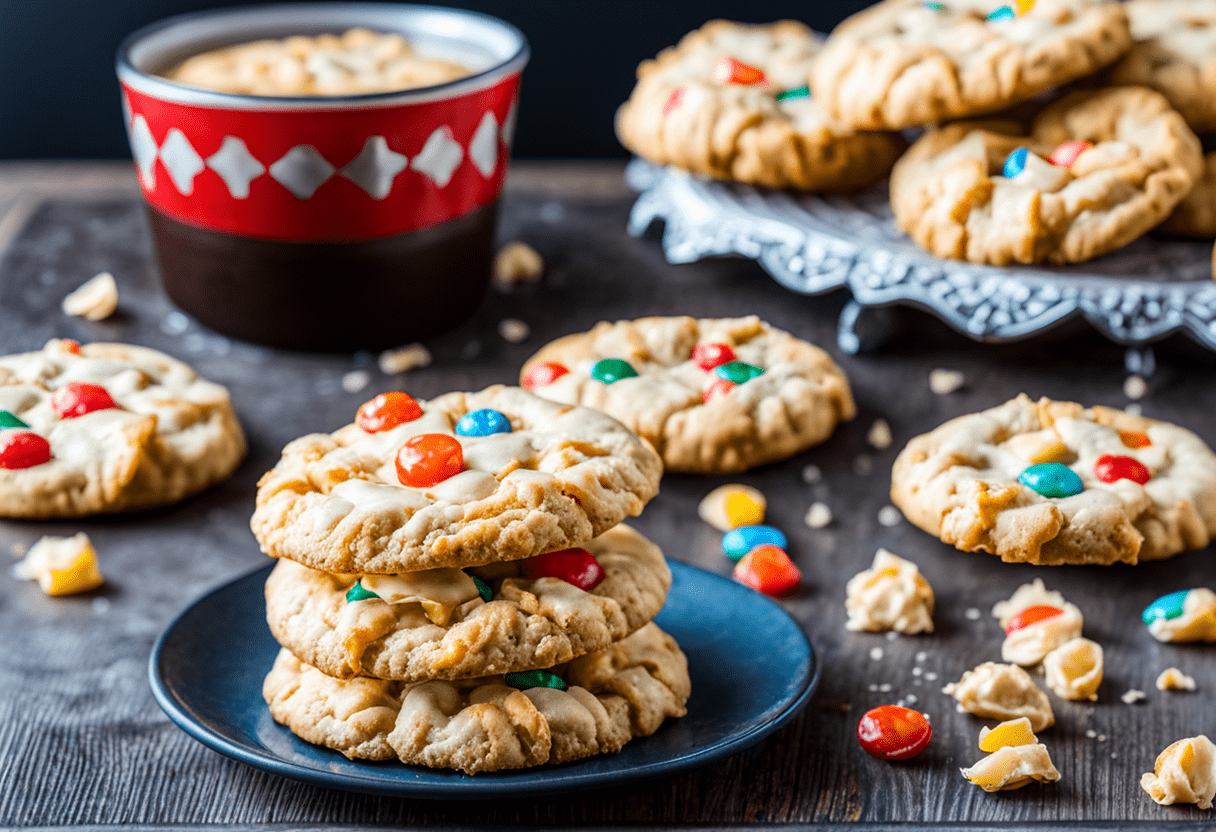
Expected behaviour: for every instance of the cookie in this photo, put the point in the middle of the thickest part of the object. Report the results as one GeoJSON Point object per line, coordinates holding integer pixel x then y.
{"type": "Point", "coordinates": [731, 101]}
{"type": "Point", "coordinates": [1174, 53]}
{"type": "Point", "coordinates": [905, 63]}
{"type": "Point", "coordinates": [713, 396]}
{"type": "Point", "coordinates": [1052, 482]}
{"type": "Point", "coordinates": [108, 427]}
{"type": "Point", "coordinates": [547, 477]}
{"type": "Point", "coordinates": [1195, 216]}
{"type": "Point", "coordinates": [624, 691]}
{"type": "Point", "coordinates": [452, 632]}
{"type": "Point", "coordinates": [984, 191]}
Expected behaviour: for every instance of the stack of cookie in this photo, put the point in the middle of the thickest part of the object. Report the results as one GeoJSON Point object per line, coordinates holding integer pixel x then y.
{"type": "Point", "coordinates": [455, 589]}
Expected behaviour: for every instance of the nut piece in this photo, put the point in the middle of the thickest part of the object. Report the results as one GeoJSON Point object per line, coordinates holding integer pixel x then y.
{"type": "Point", "coordinates": [890, 595]}
{"type": "Point", "coordinates": [1004, 692]}
{"type": "Point", "coordinates": [61, 565]}
{"type": "Point", "coordinates": [517, 264]}
{"type": "Point", "coordinates": [1028, 645]}
{"type": "Point", "coordinates": [1185, 772]}
{"type": "Point", "coordinates": [1174, 679]}
{"type": "Point", "coordinates": [1074, 669]}
{"type": "Point", "coordinates": [404, 359]}
{"type": "Point", "coordinates": [95, 300]}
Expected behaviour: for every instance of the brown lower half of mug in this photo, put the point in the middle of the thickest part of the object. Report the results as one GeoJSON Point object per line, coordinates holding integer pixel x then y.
{"type": "Point", "coordinates": [327, 296]}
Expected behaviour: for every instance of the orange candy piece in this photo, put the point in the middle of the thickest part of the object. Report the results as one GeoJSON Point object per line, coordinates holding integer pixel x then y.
{"type": "Point", "coordinates": [1031, 615]}
{"type": "Point", "coordinates": [890, 732]}
{"type": "Point", "coordinates": [719, 388]}
{"type": "Point", "coordinates": [428, 460]}
{"type": "Point", "coordinates": [1133, 439]}
{"type": "Point", "coordinates": [730, 71]}
{"type": "Point", "coordinates": [1066, 154]}
{"type": "Point", "coordinates": [386, 411]}
{"type": "Point", "coordinates": [768, 569]}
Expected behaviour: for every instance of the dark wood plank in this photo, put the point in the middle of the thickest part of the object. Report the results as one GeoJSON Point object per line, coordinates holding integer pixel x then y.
{"type": "Point", "coordinates": [82, 742]}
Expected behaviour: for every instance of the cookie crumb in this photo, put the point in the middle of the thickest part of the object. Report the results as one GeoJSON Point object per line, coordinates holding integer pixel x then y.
{"type": "Point", "coordinates": [812, 474]}
{"type": "Point", "coordinates": [61, 565]}
{"type": "Point", "coordinates": [916, 671]}
{"type": "Point", "coordinates": [517, 264]}
{"type": "Point", "coordinates": [1134, 387]}
{"type": "Point", "coordinates": [892, 635]}
{"type": "Point", "coordinates": [356, 380]}
{"type": "Point", "coordinates": [972, 614]}
{"type": "Point", "coordinates": [1174, 679]}
{"type": "Point", "coordinates": [930, 676]}
{"type": "Point", "coordinates": [513, 330]}
{"type": "Point", "coordinates": [884, 688]}
{"type": "Point", "coordinates": [1101, 737]}
{"type": "Point", "coordinates": [889, 516]}
{"type": "Point", "coordinates": [876, 654]}
{"type": "Point", "coordinates": [94, 300]}
{"type": "Point", "coordinates": [921, 656]}
{"type": "Point", "coordinates": [404, 359]}
{"type": "Point", "coordinates": [1130, 698]}
{"type": "Point", "coordinates": [818, 515]}
{"type": "Point", "coordinates": [873, 688]}
{"type": "Point", "coordinates": [944, 382]}
{"type": "Point", "coordinates": [862, 465]}
{"type": "Point", "coordinates": [879, 435]}
{"type": "Point", "coordinates": [1091, 733]}
{"type": "Point", "coordinates": [175, 323]}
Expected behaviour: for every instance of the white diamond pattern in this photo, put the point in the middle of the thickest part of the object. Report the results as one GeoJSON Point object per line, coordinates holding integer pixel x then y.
{"type": "Point", "coordinates": [508, 125]}
{"type": "Point", "coordinates": [483, 150]}
{"type": "Point", "coordinates": [302, 170]}
{"type": "Point", "coordinates": [181, 160]}
{"type": "Point", "coordinates": [440, 156]}
{"type": "Point", "coordinates": [236, 166]}
{"type": "Point", "coordinates": [143, 148]}
{"type": "Point", "coordinates": [375, 168]}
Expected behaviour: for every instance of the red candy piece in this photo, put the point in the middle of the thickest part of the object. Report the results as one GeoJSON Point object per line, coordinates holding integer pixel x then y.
{"type": "Point", "coordinates": [22, 449]}
{"type": "Point", "coordinates": [1067, 153]}
{"type": "Point", "coordinates": [1113, 468]}
{"type": "Point", "coordinates": [574, 566]}
{"type": "Point", "coordinates": [1134, 440]}
{"type": "Point", "coordinates": [1031, 615]}
{"type": "Point", "coordinates": [71, 346]}
{"type": "Point", "coordinates": [428, 460]}
{"type": "Point", "coordinates": [890, 732]}
{"type": "Point", "coordinates": [673, 101]}
{"type": "Point", "coordinates": [730, 71]}
{"type": "Point", "coordinates": [708, 356]}
{"type": "Point", "coordinates": [76, 398]}
{"type": "Point", "coordinates": [719, 388]}
{"type": "Point", "coordinates": [386, 411]}
{"type": "Point", "coordinates": [538, 375]}
{"type": "Point", "coordinates": [768, 569]}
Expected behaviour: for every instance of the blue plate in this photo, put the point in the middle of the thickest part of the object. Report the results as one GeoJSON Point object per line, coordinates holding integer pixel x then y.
{"type": "Point", "coordinates": [751, 665]}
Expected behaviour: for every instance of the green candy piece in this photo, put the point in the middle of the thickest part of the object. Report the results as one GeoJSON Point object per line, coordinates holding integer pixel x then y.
{"type": "Point", "coordinates": [8, 420]}
{"type": "Point", "coordinates": [738, 372]}
{"type": "Point", "coordinates": [535, 679]}
{"type": "Point", "coordinates": [789, 95]}
{"type": "Point", "coordinates": [609, 370]}
{"type": "Point", "coordinates": [483, 589]}
{"type": "Point", "coordinates": [358, 593]}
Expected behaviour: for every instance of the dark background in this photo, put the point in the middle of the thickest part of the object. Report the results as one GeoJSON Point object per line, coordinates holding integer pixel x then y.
{"type": "Point", "coordinates": [59, 97]}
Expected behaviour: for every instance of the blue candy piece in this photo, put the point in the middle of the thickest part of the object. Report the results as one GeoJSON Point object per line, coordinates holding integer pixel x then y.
{"type": "Point", "coordinates": [1052, 479]}
{"type": "Point", "coordinates": [482, 423]}
{"type": "Point", "coordinates": [1167, 607]}
{"type": "Point", "coordinates": [1003, 13]}
{"type": "Point", "coordinates": [1016, 163]}
{"type": "Point", "coordinates": [738, 542]}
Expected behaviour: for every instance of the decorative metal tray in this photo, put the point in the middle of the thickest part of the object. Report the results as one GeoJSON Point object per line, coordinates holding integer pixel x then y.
{"type": "Point", "coordinates": [814, 244]}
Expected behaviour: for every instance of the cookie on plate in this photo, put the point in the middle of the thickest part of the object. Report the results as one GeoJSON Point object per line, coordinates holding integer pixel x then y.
{"type": "Point", "coordinates": [465, 479]}
{"type": "Point", "coordinates": [1174, 53]}
{"type": "Point", "coordinates": [593, 705]}
{"type": "Point", "coordinates": [1195, 216]}
{"type": "Point", "coordinates": [1053, 482]}
{"type": "Point", "coordinates": [713, 396]}
{"type": "Point", "coordinates": [108, 427]}
{"type": "Point", "coordinates": [908, 63]}
{"type": "Point", "coordinates": [731, 101]}
{"type": "Point", "coordinates": [443, 624]}
{"type": "Point", "coordinates": [985, 191]}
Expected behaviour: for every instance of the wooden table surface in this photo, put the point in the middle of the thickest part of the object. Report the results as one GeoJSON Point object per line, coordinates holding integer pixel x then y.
{"type": "Point", "coordinates": [82, 741]}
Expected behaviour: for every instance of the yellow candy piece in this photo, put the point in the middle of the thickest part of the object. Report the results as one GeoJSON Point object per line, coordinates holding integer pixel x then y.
{"type": "Point", "coordinates": [743, 510]}
{"type": "Point", "coordinates": [61, 565]}
{"type": "Point", "coordinates": [993, 772]}
{"type": "Point", "coordinates": [731, 506]}
{"type": "Point", "coordinates": [1011, 733]}
{"type": "Point", "coordinates": [1023, 6]}
{"type": "Point", "coordinates": [1039, 447]}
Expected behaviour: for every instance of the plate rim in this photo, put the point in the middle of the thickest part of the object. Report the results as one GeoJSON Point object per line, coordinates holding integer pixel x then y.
{"type": "Point", "coordinates": [474, 788]}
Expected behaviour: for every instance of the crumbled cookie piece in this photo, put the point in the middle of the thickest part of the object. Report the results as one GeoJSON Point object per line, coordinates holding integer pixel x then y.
{"type": "Point", "coordinates": [513, 330]}
{"type": "Point", "coordinates": [517, 264]}
{"type": "Point", "coordinates": [1074, 669]}
{"type": "Point", "coordinates": [1174, 679]}
{"type": "Point", "coordinates": [818, 515]}
{"type": "Point", "coordinates": [61, 565]}
{"type": "Point", "coordinates": [404, 359]}
{"type": "Point", "coordinates": [1030, 636]}
{"type": "Point", "coordinates": [1131, 697]}
{"type": "Point", "coordinates": [1002, 691]}
{"type": "Point", "coordinates": [879, 435]}
{"type": "Point", "coordinates": [1188, 615]}
{"type": "Point", "coordinates": [890, 595]}
{"type": "Point", "coordinates": [1185, 772]}
{"type": "Point", "coordinates": [944, 382]}
{"type": "Point", "coordinates": [1017, 758]}
{"type": "Point", "coordinates": [95, 300]}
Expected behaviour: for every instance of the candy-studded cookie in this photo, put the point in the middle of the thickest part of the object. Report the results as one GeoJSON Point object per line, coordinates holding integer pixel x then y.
{"type": "Point", "coordinates": [711, 395]}
{"type": "Point", "coordinates": [451, 624]}
{"type": "Point", "coordinates": [1052, 482]}
{"type": "Point", "coordinates": [1094, 171]}
{"type": "Point", "coordinates": [593, 705]}
{"type": "Point", "coordinates": [1195, 216]}
{"type": "Point", "coordinates": [731, 101]}
{"type": "Point", "coordinates": [462, 480]}
{"type": "Point", "coordinates": [905, 63]}
{"type": "Point", "coordinates": [108, 427]}
{"type": "Point", "coordinates": [1175, 54]}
